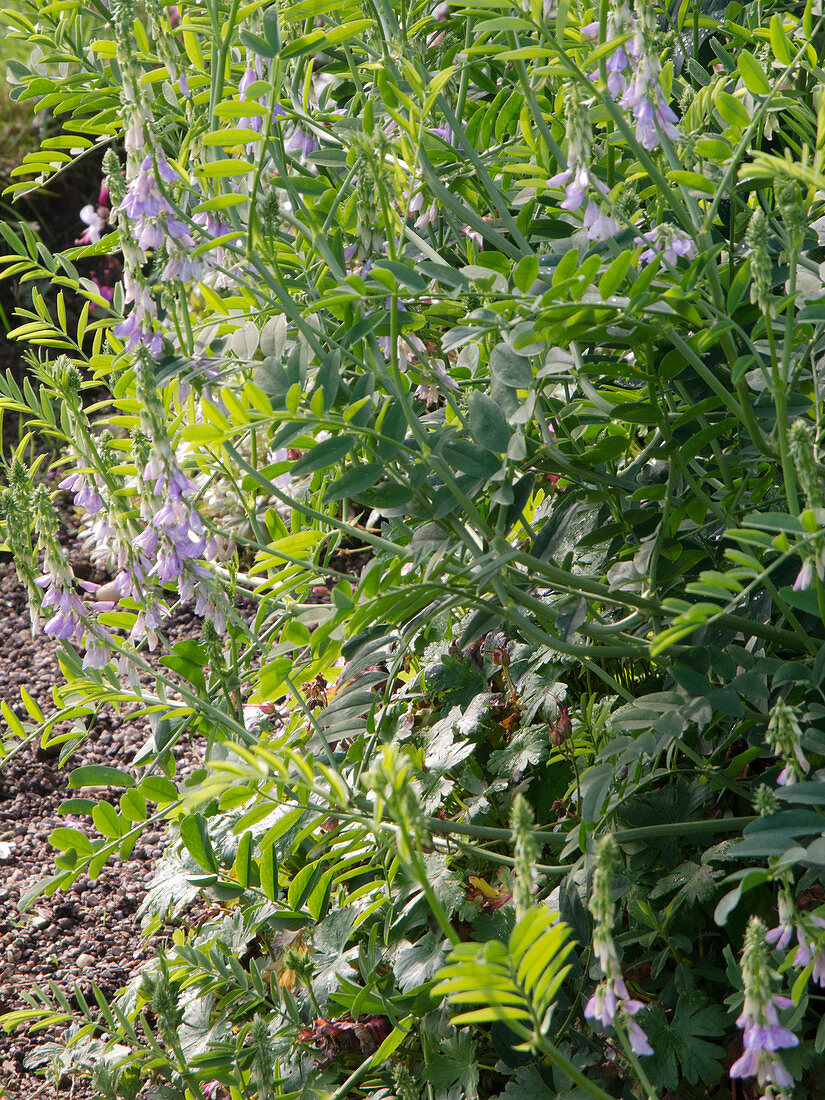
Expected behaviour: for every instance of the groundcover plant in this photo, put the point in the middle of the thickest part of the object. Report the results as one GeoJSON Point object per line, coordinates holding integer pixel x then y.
{"type": "Point", "coordinates": [461, 365]}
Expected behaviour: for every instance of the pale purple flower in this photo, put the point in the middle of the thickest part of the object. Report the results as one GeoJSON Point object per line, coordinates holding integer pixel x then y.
{"type": "Point", "coordinates": [644, 96]}
{"type": "Point", "coordinates": [804, 955]}
{"type": "Point", "coordinates": [437, 381]}
{"type": "Point", "coordinates": [784, 737]}
{"type": "Point", "coordinates": [619, 23]}
{"type": "Point", "coordinates": [140, 327]}
{"type": "Point", "coordinates": [762, 1034]}
{"type": "Point", "coordinates": [639, 1042]}
{"type": "Point", "coordinates": [212, 225]}
{"type": "Point", "coordinates": [576, 182]}
{"type": "Point", "coordinates": [94, 225]}
{"type": "Point", "coordinates": [303, 141]}
{"type": "Point", "coordinates": [85, 495]}
{"type": "Point", "coordinates": [580, 185]}
{"type": "Point", "coordinates": [98, 650]}
{"type": "Point", "coordinates": [148, 623]}
{"type": "Point", "coordinates": [600, 225]}
{"type": "Point", "coordinates": [250, 76]}
{"type": "Point", "coordinates": [135, 137]}
{"type": "Point", "coordinates": [617, 65]}
{"type": "Point", "coordinates": [70, 622]}
{"type": "Point", "coordinates": [143, 197]}
{"type": "Point", "coordinates": [780, 936]}
{"type": "Point", "coordinates": [611, 999]}
{"type": "Point", "coordinates": [427, 216]}
{"type": "Point", "coordinates": [668, 243]}
{"type": "Point", "coordinates": [473, 235]}
{"type": "Point", "coordinates": [611, 1002]}
{"type": "Point", "coordinates": [444, 132]}
{"type": "Point", "coordinates": [67, 622]}
{"type": "Point", "coordinates": [805, 576]}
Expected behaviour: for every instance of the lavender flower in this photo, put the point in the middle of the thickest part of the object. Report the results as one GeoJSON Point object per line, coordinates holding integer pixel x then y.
{"type": "Point", "coordinates": [437, 381]}
{"type": "Point", "coordinates": [94, 225]}
{"type": "Point", "coordinates": [804, 956]}
{"type": "Point", "coordinates": [86, 495]}
{"type": "Point", "coordinates": [139, 329]}
{"type": "Point", "coordinates": [577, 181]}
{"type": "Point", "coordinates": [669, 243]}
{"type": "Point", "coordinates": [762, 1034]}
{"type": "Point", "coordinates": [72, 619]}
{"type": "Point", "coordinates": [611, 1001]}
{"type": "Point", "coordinates": [473, 235]}
{"type": "Point", "coordinates": [805, 576]}
{"type": "Point", "coordinates": [303, 141]}
{"type": "Point", "coordinates": [427, 217]}
{"type": "Point", "coordinates": [580, 185]}
{"type": "Point", "coordinates": [780, 936]}
{"type": "Point", "coordinates": [600, 225]}
{"type": "Point", "coordinates": [175, 537]}
{"type": "Point", "coordinates": [252, 74]}
{"type": "Point", "coordinates": [644, 96]}
{"type": "Point", "coordinates": [620, 23]}
{"type": "Point", "coordinates": [154, 224]}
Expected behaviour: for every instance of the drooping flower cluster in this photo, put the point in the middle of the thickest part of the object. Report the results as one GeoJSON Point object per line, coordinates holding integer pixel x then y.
{"type": "Point", "coordinates": [175, 538]}
{"type": "Point", "coordinates": [803, 453]}
{"type": "Point", "coordinates": [153, 221]}
{"type": "Point", "coordinates": [620, 24]}
{"type": "Point", "coordinates": [762, 1034]}
{"type": "Point", "coordinates": [666, 241]}
{"type": "Point", "coordinates": [644, 96]}
{"type": "Point", "coordinates": [810, 950]}
{"type": "Point", "coordinates": [634, 71]}
{"type": "Point", "coordinates": [611, 1003]}
{"type": "Point", "coordinates": [580, 184]}
{"type": "Point", "coordinates": [72, 620]}
{"type": "Point", "coordinates": [784, 736]}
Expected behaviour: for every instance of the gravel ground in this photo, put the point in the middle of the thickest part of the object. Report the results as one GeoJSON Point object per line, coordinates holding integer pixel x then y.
{"type": "Point", "coordinates": [88, 933]}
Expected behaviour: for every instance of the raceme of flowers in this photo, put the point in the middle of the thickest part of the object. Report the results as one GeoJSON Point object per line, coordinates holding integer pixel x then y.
{"type": "Point", "coordinates": [763, 1037]}
{"type": "Point", "coordinates": [611, 1005]}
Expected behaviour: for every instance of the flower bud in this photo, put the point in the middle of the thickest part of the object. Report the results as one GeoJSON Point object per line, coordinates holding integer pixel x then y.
{"type": "Point", "coordinates": [761, 266]}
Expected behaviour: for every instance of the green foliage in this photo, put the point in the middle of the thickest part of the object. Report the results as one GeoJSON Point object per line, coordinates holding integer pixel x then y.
{"type": "Point", "coordinates": [497, 507]}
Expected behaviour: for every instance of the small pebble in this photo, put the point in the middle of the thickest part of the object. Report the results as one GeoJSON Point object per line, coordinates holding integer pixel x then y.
{"type": "Point", "coordinates": [85, 960]}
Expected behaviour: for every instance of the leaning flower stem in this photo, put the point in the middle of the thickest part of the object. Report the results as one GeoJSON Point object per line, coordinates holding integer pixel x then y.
{"type": "Point", "coordinates": [644, 1080]}
{"type": "Point", "coordinates": [781, 394]}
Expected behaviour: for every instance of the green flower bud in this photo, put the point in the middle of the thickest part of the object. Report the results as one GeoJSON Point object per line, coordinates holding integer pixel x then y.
{"type": "Point", "coordinates": [765, 802]}
{"type": "Point", "coordinates": [526, 854]}
{"type": "Point", "coordinates": [804, 460]}
{"type": "Point", "coordinates": [794, 213]}
{"type": "Point", "coordinates": [761, 265]}
{"type": "Point", "coordinates": [263, 1058]}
